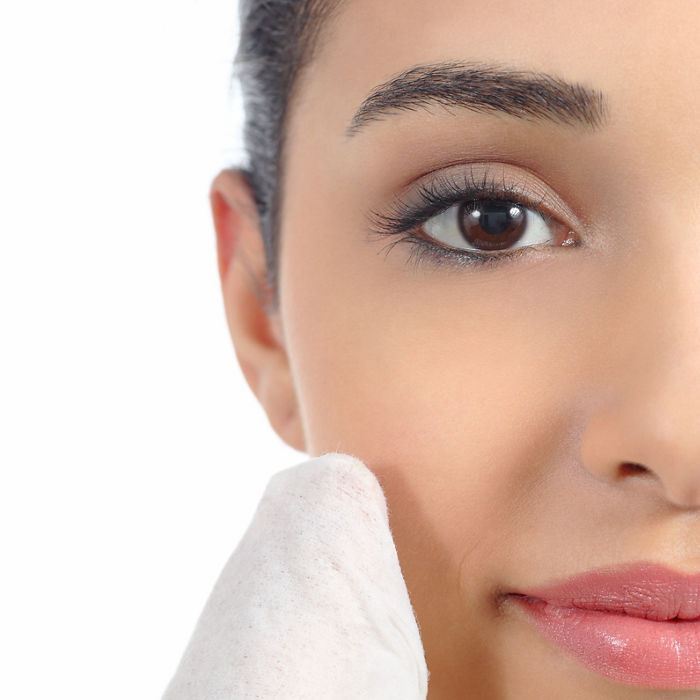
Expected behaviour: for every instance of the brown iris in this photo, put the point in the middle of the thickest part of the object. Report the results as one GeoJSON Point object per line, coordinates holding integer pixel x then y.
{"type": "Point", "coordinates": [491, 225]}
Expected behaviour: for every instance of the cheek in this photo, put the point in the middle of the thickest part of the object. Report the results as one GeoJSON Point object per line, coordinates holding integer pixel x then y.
{"type": "Point", "coordinates": [448, 387]}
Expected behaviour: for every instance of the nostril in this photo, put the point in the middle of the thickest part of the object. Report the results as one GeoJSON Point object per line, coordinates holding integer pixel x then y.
{"type": "Point", "coordinates": [631, 469]}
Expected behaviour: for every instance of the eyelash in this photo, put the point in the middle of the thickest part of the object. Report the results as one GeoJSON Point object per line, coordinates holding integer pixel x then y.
{"type": "Point", "coordinates": [435, 198]}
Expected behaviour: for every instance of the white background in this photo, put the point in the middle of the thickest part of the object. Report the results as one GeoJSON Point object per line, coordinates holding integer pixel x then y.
{"type": "Point", "coordinates": [132, 452]}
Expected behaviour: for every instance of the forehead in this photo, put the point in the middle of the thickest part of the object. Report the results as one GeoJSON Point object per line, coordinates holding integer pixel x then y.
{"type": "Point", "coordinates": [629, 49]}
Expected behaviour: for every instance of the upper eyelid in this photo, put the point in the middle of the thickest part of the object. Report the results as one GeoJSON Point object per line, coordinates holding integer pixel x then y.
{"type": "Point", "coordinates": [497, 192]}
{"type": "Point", "coordinates": [531, 186]}
{"type": "Point", "coordinates": [443, 193]}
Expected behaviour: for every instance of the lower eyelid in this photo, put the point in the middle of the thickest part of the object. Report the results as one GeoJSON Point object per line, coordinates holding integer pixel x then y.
{"type": "Point", "coordinates": [436, 257]}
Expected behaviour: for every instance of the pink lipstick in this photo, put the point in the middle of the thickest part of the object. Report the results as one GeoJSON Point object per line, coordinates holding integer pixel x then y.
{"type": "Point", "coordinates": [638, 625]}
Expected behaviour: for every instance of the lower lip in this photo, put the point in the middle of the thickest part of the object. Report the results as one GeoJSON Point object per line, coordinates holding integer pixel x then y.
{"type": "Point", "coordinates": [628, 649]}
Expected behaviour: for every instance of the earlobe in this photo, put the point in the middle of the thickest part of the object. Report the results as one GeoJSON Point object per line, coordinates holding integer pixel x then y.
{"type": "Point", "coordinates": [255, 330]}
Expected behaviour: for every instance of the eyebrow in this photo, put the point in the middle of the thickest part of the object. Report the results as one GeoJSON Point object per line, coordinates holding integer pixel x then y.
{"type": "Point", "coordinates": [486, 88]}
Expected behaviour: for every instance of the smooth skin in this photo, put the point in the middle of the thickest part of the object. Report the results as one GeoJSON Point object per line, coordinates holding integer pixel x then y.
{"type": "Point", "coordinates": [498, 407]}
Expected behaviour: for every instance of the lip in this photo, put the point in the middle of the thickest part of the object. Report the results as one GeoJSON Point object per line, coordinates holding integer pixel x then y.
{"type": "Point", "coordinates": [639, 625]}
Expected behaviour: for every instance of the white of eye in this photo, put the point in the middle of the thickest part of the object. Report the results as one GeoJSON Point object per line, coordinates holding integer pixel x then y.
{"type": "Point", "coordinates": [444, 227]}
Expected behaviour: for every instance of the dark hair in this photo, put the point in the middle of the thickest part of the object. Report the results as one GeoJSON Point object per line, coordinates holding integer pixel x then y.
{"type": "Point", "coordinates": [277, 40]}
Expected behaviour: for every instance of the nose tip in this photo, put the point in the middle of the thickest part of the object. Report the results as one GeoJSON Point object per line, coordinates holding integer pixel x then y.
{"type": "Point", "coordinates": [623, 447]}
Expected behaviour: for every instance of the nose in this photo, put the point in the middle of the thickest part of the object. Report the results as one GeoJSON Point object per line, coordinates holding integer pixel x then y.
{"type": "Point", "coordinates": [624, 441]}
{"type": "Point", "coordinates": [645, 426]}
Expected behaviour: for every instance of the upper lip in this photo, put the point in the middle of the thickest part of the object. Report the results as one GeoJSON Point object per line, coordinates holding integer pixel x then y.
{"type": "Point", "coordinates": [642, 589]}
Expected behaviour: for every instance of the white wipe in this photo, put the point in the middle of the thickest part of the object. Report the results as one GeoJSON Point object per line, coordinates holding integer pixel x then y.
{"type": "Point", "coordinates": [312, 603]}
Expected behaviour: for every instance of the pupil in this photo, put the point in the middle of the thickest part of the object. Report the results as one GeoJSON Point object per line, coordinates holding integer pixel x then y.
{"type": "Point", "coordinates": [492, 225]}
{"type": "Point", "coordinates": [495, 221]}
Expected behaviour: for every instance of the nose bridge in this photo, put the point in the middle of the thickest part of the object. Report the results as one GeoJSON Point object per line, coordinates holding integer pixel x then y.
{"type": "Point", "coordinates": [664, 348]}
{"type": "Point", "coordinates": [650, 411]}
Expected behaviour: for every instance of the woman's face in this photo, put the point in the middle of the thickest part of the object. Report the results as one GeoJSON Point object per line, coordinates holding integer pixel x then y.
{"type": "Point", "coordinates": [532, 419]}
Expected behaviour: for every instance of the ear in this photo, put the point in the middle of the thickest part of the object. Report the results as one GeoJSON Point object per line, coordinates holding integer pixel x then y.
{"type": "Point", "coordinates": [256, 329]}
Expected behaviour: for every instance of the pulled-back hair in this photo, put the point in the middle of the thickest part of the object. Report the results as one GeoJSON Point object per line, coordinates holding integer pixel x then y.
{"type": "Point", "coordinates": [277, 40]}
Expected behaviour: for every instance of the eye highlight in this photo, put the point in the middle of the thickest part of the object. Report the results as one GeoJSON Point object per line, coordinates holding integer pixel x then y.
{"type": "Point", "coordinates": [464, 221]}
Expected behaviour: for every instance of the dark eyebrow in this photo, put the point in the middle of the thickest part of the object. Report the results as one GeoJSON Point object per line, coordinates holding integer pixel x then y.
{"type": "Point", "coordinates": [485, 88]}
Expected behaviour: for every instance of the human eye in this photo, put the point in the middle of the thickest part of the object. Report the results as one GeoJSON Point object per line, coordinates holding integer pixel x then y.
{"type": "Point", "coordinates": [466, 219]}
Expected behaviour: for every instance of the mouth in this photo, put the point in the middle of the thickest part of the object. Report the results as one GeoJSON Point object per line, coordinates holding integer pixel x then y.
{"type": "Point", "coordinates": [638, 625]}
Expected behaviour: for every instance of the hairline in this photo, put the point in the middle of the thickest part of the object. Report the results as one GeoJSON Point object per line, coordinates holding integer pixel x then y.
{"type": "Point", "coordinates": [322, 14]}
